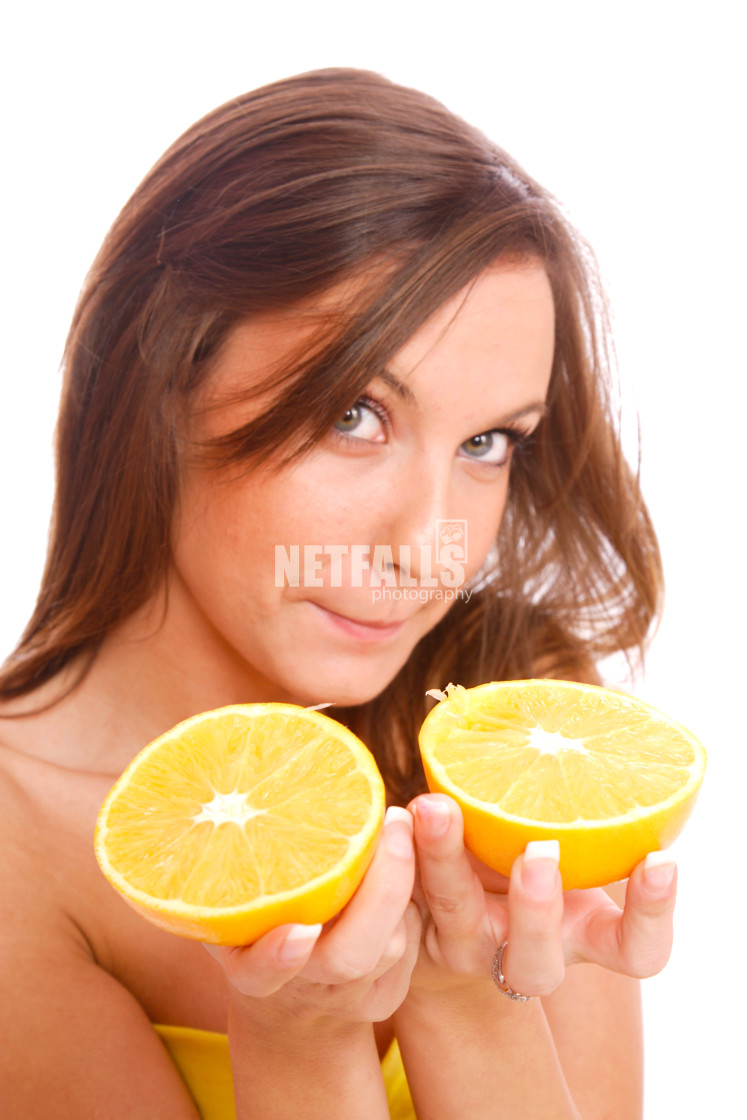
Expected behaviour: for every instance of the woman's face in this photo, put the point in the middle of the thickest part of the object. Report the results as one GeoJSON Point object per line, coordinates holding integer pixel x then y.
{"type": "Point", "coordinates": [314, 583]}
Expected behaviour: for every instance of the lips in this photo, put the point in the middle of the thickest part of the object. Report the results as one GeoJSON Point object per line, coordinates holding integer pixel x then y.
{"type": "Point", "coordinates": [363, 630]}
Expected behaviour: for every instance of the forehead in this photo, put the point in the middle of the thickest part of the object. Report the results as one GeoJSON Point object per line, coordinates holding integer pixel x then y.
{"type": "Point", "coordinates": [490, 348]}
{"type": "Point", "coordinates": [268, 343]}
{"type": "Point", "coordinates": [503, 320]}
{"type": "Point", "coordinates": [506, 306]}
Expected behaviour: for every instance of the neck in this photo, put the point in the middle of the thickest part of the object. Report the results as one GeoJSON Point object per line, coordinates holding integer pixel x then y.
{"type": "Point", "coordinates": [160, 666]}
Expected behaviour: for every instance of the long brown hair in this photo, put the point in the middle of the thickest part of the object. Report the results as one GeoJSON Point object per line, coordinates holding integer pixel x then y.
{"type": "Point", "coordinates": [280, 194]}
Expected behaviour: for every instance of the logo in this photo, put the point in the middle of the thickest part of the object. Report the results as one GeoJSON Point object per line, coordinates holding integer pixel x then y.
{"type": "Point", "coordinates": [452, 542]}
{"type": "Point", "coordinates": [432, 571]}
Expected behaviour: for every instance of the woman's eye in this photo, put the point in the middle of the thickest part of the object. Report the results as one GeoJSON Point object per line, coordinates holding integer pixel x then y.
{"type": "Point", "coordinates": [362, 422]}
{"type": "Point", "coordinates": [488, 447]}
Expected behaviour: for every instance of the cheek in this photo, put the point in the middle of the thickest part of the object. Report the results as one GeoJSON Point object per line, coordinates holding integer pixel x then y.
{"type": "Point", "coordinates": [234, 524]}
{"type": "Point", "coordinates": [219, 526]}
{"type": "Point", "coordinates": [483, 524]}
{"type": "Point", "coordinates": [327, 501]}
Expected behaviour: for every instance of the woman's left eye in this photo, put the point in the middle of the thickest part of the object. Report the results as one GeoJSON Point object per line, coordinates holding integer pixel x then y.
{"type": "Point", "coordinates": [363, 422]}
{"type": "Point", "coordinates": [488, 447]}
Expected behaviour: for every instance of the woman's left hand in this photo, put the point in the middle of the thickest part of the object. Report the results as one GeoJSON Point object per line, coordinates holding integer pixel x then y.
{"type": "Point", "coordinates": [469, 911]}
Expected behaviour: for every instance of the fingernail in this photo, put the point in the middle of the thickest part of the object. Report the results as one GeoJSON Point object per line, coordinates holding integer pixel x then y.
{"type": "Point", "coordinates": [658, 871]}
{"type": "Point", "coordinates": [298, 943]}
{"type": "Point", "coordinates": [397, 841]}
{"type": "Point", "coordinates": [435, 816]}
{"type": "Point", "coordinates": [539, 869]}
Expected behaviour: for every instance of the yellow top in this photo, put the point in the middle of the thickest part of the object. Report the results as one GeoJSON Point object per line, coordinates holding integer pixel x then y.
{"type": "Point", "coordinates": [203, 1059]}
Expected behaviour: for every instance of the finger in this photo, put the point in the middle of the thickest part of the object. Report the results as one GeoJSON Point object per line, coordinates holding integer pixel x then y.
{"type": "Point", "coordinates": [452, 892]}
{"type": "Point", "coordinates": [264, 967]}
{"type": "Point", "coordinates": [401, 953]}
{"type": "Point", "coordinates": [400, 971]}
{"type": "Point", "coordinates": [491, 880]}
{"type": "Point", "coordinates": [637, 939]}
{"type": "Point", "coordinates": [362, 937]}
{"type": "Point", "coordinates": [646, 926]}
{"type": "Point", "coordinates": [533, 962]}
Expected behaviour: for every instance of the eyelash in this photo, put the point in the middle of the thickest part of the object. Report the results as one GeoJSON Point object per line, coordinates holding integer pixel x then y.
{"type": "Point", "coordinates": [517, 436]}
{"type": "Point", "coordinates": [378, 409]}
{"type": "Point", "coordinates": [517, 439]}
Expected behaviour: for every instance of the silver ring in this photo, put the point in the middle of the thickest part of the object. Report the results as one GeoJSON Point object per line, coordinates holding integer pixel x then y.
{"type": "Point", "coordinates": [500, 980]}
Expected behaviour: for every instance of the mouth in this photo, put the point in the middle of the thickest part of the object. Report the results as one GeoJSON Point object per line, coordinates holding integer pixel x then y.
{"type": "Point", "coordinates": [363, 631]}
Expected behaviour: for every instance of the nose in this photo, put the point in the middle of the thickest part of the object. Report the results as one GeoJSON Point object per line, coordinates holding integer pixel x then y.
{"type": "Point", "coordinates": [426, 534]}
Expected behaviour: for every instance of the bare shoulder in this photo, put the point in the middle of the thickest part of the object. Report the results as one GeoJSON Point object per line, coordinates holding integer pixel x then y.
{"type": "Point", "coordinates": [71, 1032]}
{"type": "Point", "coordinates": [46, 817]}
{"type": "Point", "coordinates": [23, 872]}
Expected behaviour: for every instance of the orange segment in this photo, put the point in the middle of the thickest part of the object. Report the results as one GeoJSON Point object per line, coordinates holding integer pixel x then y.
{"type": "Point", "coordinates": [242, 819]}
{"type": "Point", "coordinates": [602, 772]}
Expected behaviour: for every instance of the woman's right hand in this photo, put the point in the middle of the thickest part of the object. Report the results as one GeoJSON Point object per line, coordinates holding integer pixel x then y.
{"type": "Point", "coordinates": [356, 968]}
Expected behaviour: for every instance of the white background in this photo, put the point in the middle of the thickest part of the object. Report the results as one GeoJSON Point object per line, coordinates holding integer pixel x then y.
{"type": "Point", "coordinates": [633, 116]}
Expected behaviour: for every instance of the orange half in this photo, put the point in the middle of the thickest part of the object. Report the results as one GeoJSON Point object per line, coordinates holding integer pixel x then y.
{"type": "Point", "coordinates": [242, 819]}
{"type": "Point", "coordinates": [605, 774]}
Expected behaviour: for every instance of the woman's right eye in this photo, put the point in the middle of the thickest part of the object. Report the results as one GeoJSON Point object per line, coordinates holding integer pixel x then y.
{"type": "Point", "coordinates": [362, 421]}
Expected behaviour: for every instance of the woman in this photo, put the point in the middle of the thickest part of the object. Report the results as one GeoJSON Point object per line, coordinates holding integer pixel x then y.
{"type": "Point", "coordinates": [333, 314]}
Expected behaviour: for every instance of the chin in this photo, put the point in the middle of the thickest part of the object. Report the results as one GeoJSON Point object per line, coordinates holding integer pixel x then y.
{"type": "Point", "coordinates": [337, 695]}
{"type": "Point", "coordinates": [327, 684]}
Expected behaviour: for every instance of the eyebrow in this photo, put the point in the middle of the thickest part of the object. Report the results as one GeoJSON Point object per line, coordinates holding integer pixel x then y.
{"type": "Point", "coordinates": [402, 390]}
{"type": "Point", "coordinates": [407, 395]}
{"type": "Point", "coordinates": [535, 406]}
